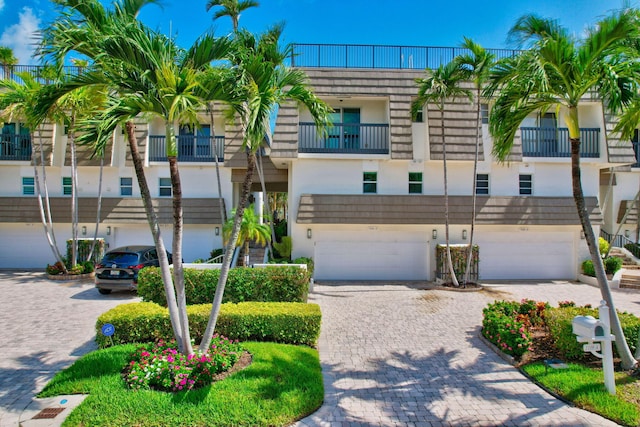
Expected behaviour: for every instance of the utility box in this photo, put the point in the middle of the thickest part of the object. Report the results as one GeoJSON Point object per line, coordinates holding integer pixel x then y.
{"type": "Point", "coordinates": [588, 328]}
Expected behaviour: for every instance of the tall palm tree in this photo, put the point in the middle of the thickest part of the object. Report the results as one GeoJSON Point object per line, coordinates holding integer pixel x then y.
{"type": "Point", "coordinates": [231, 8]}
{"type": "Point", "coordinates": [148, 74]}
{"type": "Point", "coordinates": [260, 82]}
{"type": "Point", "coordinates": [559, 70]}
{"type": "Point", "coordinates": [438, 86]}
{"type": "Point", "coordinates": [479, 62]}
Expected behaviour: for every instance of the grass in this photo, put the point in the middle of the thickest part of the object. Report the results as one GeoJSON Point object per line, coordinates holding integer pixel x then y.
{"type": "Point", "coordinates": [584, 387]}
{"type": "Point", "coordinates": [282, 385]}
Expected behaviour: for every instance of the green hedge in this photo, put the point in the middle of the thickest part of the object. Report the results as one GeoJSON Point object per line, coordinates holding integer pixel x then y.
{"type": "Point", "coordinates": [290, 323]}
{"type": "Point", "coordinates": [559, 321]}
{"type": "Point", "coordinates": [270, 284]}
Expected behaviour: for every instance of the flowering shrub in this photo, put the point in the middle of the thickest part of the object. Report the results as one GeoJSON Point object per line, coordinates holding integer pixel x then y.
{"type": "Point", "coordinates": [506, 324]}
{"type": "Point", "coordinates": [162, 367]}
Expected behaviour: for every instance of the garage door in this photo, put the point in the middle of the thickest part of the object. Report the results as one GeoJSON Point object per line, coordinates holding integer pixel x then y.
{"type": "Point", "coordinates": [358, 260]}
{"type": "Point", "coordinates": [527, 256]}
{"type": "Point", "coordinates": [25, 246]}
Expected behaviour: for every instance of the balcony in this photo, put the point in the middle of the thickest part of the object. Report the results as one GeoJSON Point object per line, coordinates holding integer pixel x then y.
{"type": "Point", "coordinates": [345, 138]}
{"type": "Point", "coordinates": [15, 147]}
{"type": "Point", "coordinates": [554, 142]}
{"type": "Point", "coordinates": [190, 148]}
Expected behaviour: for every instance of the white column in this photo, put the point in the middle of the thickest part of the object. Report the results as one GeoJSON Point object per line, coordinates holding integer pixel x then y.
{"type": "Point", "coordinates": [258, 205]}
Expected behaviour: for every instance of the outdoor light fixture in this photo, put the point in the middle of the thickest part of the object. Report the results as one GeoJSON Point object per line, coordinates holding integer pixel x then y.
{"type": "Point", "coordinates": [308, 233]}
{"type": "Point", "coordinates": [434, 234]}
{"type": "Point", "coordinates": [84, 230]}
{"type": "Point", "coordinates": [108, 230]}
{"type": "Point", "coordinates": [217, 231]}
{"type": "Point", "coordinates": [464, 234]}
{"type": "Point", "coordinates": [626, 233]}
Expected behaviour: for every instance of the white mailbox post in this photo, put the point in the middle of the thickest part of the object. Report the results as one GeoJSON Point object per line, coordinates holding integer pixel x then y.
{"type": "Point", "coordinates": [596, 334]}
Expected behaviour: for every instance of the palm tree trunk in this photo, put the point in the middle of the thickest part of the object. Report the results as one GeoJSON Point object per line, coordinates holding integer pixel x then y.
{"type": "Point", "coordinates": [474, 197]}
{"type": "Point", "coordinates": [454, 279]}
{"type": "Point", "coordinates": [228, 254]}
{"type": "Point", "coordinates": [152, 219]}
{"type": "Point", "coordinates": [178, 272]}
{"type": "Point", "coordinates": [266, 202]}
{"type": "Point", "coordinates": [74, 194]}
{"type": "Point", "coordinates": [98, 210]}
{"type": "Point", "coordinates": [628, 362]}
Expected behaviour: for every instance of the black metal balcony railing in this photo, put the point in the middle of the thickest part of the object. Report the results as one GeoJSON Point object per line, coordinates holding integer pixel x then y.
{"type": "Point", "coordinates": [42, 74]}
{"type": "Point", "coordinates": [636, 150]}
{"type": "Point", "coordinates": [190, 148]}
{"type": "Point", "coordinates": [345, 138]}
{"type": "Point", "coordinates": [15, 147]}
{"type": "Point", "coordinates": [371, 56]}
{"type": "Point", "coordinates": [554, 142]}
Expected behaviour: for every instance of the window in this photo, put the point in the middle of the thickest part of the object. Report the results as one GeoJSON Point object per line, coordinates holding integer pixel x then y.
{"type": "Point", "coordinates": [484, 113]}
{"type": "Point", "coordinates": [415, 182]}
{"type": "Point", "coordinates": [419, 117]}
{"type": "Point", "coordinates": [126, 186]}
{"type": "Point", "coordinates": [165, 187]}
{"type": "Point", "coordinates": [66, 185]}
{"type": "Point", "coordinates": [28, 186]}
{"type": "Point", "coordinates": [482, 183]}
{"type": "Point", "coordinates": [370, 182]}
{"type": "Point", "coordinates": [526, 184]}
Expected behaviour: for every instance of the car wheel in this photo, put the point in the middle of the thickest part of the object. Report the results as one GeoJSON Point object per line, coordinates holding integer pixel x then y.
{"type": "Point", "coordinates": [104, 291]}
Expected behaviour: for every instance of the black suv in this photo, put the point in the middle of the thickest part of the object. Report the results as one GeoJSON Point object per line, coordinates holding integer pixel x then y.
{"type": "Point", "coordinates": [119, 268]}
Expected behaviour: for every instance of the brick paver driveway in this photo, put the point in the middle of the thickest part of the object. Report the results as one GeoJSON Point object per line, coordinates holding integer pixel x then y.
{"type": "Point", "coordinates": [395, 355]}
{"type": "Point", "coordinates": [44, 327]}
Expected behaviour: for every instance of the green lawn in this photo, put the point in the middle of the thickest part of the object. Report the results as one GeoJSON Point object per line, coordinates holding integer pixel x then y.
{"type": "Point", "coordinates": [584, 387]}
{"type": "Point", "coordinates": [283, 384]}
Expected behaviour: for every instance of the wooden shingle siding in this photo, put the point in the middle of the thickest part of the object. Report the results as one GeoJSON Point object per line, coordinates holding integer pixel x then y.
{"type": "Point", "coordinates": [415, 209]}
{"type": "Point", "coordinates": [142, 134]}
{"type": "Point", "coordinates": [85, 154]}
{"type": "Point", "coordinates": [114, 210]}
{"type": "Point", "coordinates": [632, 217]}
{"type": "Point", "coordinates": [45, 135]}
{"type": "Point", "coordinates": [234, 155]}
{"type": "Point", "coordinates": [285, 137]}
{"type": "Point", "coordinates": [618, 150]}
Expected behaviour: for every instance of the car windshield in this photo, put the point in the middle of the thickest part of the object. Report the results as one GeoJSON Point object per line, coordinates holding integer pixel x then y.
{"type": "Point", "coordinates": [120, 258]}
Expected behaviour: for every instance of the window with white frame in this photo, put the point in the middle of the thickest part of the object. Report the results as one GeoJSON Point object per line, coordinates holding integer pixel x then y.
{"type": "Point", "coordinates": [165, 187]}
{"type": "Point", "coordinates": [126, 186]}
{"type": "Point", "coordinates": [484, 113]}
{"type": "Point", "coordinates": [526, 184]}
{"type": "Point", "coordinates": [28, 186]}
{"type": "Point", "coordinates": [482, 184]}
{"type": "Point", "coordinates": [370, 182]}
{"type": "Point", "coordinates": [415, 182]}
{"type": "Point", "coordinates": [67, 188]}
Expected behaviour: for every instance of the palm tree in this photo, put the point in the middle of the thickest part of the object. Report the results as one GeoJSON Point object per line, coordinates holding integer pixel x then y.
{"type": "Point", "coordinates": [260, 82]}
{"type": "Point", "coordinates": [150, 75]}
{"type": "Point", "coordinates": [560, 70]}
{"type": "Point", "coordinates": [231, 8]}
{"type": "Point", "coordinates": [479, 62]}
{"type": "Point", "coordinates": [7, 60]}
{"type": "Point", "coordinates": [437, 87]}
{"type": "Point", "coordinates": [250, 230]}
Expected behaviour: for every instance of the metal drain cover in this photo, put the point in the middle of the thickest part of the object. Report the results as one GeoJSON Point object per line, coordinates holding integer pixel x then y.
{"type": "Point", "coordinates": [48, 413]}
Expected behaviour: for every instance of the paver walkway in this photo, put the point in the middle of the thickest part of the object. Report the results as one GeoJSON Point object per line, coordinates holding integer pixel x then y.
{"type": "Point", "coordinates": [396, 355]}
{"type": "Point", "coordinates": [44, 327]}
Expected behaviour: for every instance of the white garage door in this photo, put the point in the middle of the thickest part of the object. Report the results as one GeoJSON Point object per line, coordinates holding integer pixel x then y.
{"type": "Point", "coordinates": [366, 260]}
{"type": "Point", "coordinates": [527, 256]}
{"type": "Point", "coordinates": [25, 246]}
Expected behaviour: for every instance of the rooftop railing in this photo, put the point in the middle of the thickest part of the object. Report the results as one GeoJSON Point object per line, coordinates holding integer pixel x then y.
{"type": "Point", "coordinates": [40, 72]}
{"type": "Point", "coordinates": [378, 56]}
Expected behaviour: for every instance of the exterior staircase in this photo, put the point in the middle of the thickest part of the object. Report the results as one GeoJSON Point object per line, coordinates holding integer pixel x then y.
{"type": "Point", "coordinates": [256, 255]}
{"type": "Point", "coordinates": [630, 278]}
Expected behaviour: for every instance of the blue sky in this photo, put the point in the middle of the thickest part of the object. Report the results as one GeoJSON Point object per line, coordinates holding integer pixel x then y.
{"type": "Point", "coordinates": [403, 22]}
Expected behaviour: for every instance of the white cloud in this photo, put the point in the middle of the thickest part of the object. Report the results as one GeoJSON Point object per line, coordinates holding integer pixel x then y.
{"type": "Point", "coordinates": [21, 37]}
{"type": "Point", "coordinates": [1, 5]}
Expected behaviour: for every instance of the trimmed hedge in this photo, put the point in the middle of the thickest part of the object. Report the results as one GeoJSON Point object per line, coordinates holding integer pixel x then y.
{"type": "Point", "coordinates": [269, 284]}
{"type": "Point", "coordinates": [559, 322]}
{"type": "Point", "coordinates": [290, 323]}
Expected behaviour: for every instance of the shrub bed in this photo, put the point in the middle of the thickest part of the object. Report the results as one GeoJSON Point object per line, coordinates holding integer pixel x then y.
{"type": "Point", "coordinates": [290, 323]}
{"type": "Point", "coordinates": [270, 284]}
{"type": "Point", "coordinates": [559, 322]}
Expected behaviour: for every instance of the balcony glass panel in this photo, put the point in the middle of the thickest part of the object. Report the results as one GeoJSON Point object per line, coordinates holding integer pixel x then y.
{"type": "Point", "coordinates": [345, 138]}
{"type": "Point", "coordinates": [554, 142]}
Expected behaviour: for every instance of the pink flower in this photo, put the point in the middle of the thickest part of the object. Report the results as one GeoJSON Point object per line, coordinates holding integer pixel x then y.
{"type": "Point", "coordinates": [145, 354]}
{"type": "Point", "coordinates": [183, 382]}
{"type": "Point", "coordinates": [170, 359]}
